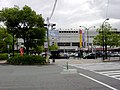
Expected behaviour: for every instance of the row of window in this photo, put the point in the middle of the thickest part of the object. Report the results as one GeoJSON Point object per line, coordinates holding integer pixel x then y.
{"type": "Point", "coordinates": [68, 31]}
{"type": "Point", "coordinates": [73, 44]}
{"type": "Point", "coordinates": [68, 44]}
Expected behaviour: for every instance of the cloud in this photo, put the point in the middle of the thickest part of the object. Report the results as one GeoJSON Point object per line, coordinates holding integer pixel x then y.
{"type": "Point", "coordinates": [73, 13]}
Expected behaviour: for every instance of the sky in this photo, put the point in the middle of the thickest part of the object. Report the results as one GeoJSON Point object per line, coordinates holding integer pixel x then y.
{"type": "Point", "coordinates": [73, 13]}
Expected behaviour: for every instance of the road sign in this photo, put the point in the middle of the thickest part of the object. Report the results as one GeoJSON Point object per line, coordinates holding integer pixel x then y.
{"type": "Point", "coordinates": [45, 44]}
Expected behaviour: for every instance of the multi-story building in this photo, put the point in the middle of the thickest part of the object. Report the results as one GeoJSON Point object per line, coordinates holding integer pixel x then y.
{"type": "Point", "coordinates": [69, 39]}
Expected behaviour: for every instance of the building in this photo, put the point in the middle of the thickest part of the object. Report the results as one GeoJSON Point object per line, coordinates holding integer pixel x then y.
{"type": "Point", "coordinates": [69, 39]}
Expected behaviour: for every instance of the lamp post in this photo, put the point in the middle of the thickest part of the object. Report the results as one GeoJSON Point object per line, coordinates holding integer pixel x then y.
{"type": "Point", "coordinates": [87, 29]}
{"type": "Point", "coordinates": [104, 40]}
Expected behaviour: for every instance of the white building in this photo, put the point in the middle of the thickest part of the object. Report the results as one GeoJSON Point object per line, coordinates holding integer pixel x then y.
{"type": "Point", "coordinates": [69, 39]}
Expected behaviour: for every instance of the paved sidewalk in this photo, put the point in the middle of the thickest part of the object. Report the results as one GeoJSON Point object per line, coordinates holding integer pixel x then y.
{"type": "Point", "coordinates": [77, 61]}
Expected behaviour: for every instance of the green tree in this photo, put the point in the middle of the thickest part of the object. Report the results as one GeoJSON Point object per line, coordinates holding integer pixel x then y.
{"type": "Point", "coordinates": [9, 16]}
{"type": "Point", "coordinates": [5, 39]}
{"type": "Point", "coordinates": [26, 24]}
{"type": "Point", "coordinates": [111, 38]}
{"type": "Point", "coordinates": [39, 49]}
{"type": "Point", "coordinates": [53, 47]}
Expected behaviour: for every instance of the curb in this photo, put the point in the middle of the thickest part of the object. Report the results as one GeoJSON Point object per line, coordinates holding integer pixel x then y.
{"type": "Point", "coordinates": [3, 61]}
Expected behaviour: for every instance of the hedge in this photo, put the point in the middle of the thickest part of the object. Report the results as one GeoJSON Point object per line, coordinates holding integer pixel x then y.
{"type": "Point", "coordinates": [26, 60]}
{"type": "Point", "coordinates": [3, 56]}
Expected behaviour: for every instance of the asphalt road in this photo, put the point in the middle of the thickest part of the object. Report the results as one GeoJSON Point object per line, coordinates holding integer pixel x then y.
{"type": "Point", "coordinates": [49, 77]}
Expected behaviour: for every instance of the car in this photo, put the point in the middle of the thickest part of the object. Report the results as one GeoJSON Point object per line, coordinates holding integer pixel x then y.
{"type": "Point", "coordinates": [43, 54]}
{"type": "Point", "coordinates": [90, 56]}
{"type": "Point", "coordinates": [59, 55]}
{"type": "Point", "coordinates": [99, 54]}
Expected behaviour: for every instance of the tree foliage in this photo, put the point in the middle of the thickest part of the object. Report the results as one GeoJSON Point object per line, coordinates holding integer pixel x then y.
{"type": "Point", "coordinates": [24, 23]}
{"type": "Point", "coordinates": [53, 47]}
{"type": "Point", "coordinates": [5, 39]}
{"type": "Point", "coordinates": [111, 37]}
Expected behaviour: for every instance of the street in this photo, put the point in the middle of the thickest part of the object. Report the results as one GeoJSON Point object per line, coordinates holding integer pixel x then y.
{"type": "Point", "coordinates": [89, 76]}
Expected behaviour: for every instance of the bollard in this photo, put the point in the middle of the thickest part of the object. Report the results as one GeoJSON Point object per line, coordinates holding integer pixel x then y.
{"type": "Point", "coordinates": [67, 65]}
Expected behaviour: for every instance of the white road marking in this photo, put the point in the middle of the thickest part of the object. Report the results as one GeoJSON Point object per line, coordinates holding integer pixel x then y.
{"type": "Point", "coordinates": [100, 67]}
{"type": "Point", "coordinates": [113, 74]}
{"type": "Point", "coordinates": [105, 72]}
{"type": "Point", "coordinates": [106, 85]}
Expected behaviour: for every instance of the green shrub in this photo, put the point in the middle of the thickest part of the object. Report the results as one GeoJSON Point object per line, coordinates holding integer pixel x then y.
{"type": "Point", "coordinates": [26, 60]}
{"type": "Point", "coordinates": [3, 56]}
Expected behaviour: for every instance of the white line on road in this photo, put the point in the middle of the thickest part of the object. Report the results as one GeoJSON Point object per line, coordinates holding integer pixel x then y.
{"type": "Point", "coordinates": [98, 81]}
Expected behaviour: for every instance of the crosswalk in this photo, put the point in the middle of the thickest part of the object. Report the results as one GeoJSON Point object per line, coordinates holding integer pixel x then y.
{"type": "Point", "coordinates": [108, 69]}
{"type": "Point", "coordinates": [114, 73]}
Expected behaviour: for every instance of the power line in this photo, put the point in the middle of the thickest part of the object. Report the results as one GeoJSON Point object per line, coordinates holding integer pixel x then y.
{"type": "Point", "coordinates": [53, 9]}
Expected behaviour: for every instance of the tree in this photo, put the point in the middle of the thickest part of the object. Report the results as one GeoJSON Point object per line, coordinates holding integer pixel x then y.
{"type": "Point", "coordinates": [9, 16]}
{"type": "Point", "coordinates": [111, 38]}
{"type": "Point", "coordinates": [53, 47]}
{"type": "Point", "coordinates": [5, 39]}
{"type": "Point", "coordinates": [26, 24]}
{"type": "Point", "coordinates": [39, 49]}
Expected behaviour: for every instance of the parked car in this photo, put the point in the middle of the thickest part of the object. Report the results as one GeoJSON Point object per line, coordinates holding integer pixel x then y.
{"type": "Point", "coordinates": [99, 54]}
{"type": "Point", "coordinates": [43, 54]}
{"type": "Point", "coordinates": [114, 54]}
{"type": "Point", "coordinates": [59, 55]}
{"type": "Point", "coordinates": [90, 56]}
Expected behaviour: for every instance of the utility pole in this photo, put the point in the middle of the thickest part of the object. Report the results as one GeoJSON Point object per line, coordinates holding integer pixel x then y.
{"type": "Point", "coordinates": [47, 51]}
{"type": "Point", "coordinates": [48, 41]}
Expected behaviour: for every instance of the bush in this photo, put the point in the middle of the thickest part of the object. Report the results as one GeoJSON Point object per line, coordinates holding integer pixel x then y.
{"type": "Point", "coordinates": [3, 56]}
{"type": "Point", "coordinates": [26, 60]}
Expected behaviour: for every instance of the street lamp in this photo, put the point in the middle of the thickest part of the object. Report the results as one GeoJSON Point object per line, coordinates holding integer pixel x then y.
{"type": "Point", "coordinates": [87, 29]}
{"type": "Point", "coordinates": [104, 40]}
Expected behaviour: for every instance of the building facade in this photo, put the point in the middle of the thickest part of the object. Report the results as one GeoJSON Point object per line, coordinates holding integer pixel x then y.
{"type": "Point", "coordinates": [69, 39]}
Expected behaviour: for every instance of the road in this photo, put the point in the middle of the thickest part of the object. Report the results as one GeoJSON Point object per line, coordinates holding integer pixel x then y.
{"type": "Point", "coordinates": [49, 77]}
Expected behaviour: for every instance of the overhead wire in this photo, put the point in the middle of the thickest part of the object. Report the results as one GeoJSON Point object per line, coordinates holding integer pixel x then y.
{"type": "Point", "coordinates": [53, 9]}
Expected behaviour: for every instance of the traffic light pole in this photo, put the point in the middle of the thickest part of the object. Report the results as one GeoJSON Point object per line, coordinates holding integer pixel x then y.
{"type": "Point", "coordinates": [47, 51]}
{"type": "Point", "coordinates": [48, 42]}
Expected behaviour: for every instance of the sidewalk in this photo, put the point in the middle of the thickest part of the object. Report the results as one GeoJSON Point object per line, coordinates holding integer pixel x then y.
{"type": "Point", "coordinates": [77, 61]}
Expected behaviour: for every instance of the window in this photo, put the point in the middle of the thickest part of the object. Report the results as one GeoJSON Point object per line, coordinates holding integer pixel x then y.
{"type": "Point", "coordinates": [75, 44]}
{"type": "Point", "coordinates": [64, 44]}
{"type": "Point", "coordinates": [60, 31]}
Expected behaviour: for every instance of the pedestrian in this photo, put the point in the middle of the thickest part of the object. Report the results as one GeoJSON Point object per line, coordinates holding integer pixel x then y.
{"type": "Point", "coordinates": [22, 49]}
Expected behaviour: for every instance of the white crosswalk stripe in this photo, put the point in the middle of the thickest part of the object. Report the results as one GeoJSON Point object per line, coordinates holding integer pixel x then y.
{"type": "Point", "coordinates": [108, 69]}
{"type": "Point", "coordinates": [114, 74]}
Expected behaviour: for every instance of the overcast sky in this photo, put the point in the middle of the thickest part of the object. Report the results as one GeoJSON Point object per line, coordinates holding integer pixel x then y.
{"type": "Point", "coordinates": [73, 13]}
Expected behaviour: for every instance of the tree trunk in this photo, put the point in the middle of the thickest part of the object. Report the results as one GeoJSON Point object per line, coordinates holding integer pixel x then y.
{"type": "Point", "coordinates": [27, 46]}
{"type": "Point", "coordinates": [13, 45]}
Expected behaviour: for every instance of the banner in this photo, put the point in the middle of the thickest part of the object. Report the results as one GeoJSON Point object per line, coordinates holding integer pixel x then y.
{"type": "Point", "coordinates": [80, 31]}
{"type": "Point", "coordinates": [83, 39]}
